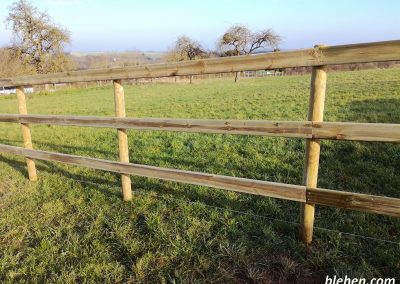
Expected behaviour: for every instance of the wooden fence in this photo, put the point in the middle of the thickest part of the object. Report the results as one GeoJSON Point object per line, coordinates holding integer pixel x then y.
{"type": "Point", "coordinates": [313, 130]}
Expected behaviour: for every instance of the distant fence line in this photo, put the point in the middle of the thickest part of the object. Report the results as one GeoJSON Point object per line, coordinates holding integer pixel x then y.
{"type": "Point", "coordinates": [174, 79]}
{"type": "Point", "coordinates": [313, 130]}
{"type": "Point", "coordinates": [211, 76]}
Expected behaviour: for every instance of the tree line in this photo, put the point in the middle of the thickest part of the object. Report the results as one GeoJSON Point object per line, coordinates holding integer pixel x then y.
{"type": "Point", "coordinates": [38, 43]}
{"type": "Point", "coordinates": [237, 40]}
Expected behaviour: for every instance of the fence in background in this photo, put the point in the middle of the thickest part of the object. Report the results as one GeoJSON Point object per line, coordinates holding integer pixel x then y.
{"type": "Point", "coordinates": [313, 130]}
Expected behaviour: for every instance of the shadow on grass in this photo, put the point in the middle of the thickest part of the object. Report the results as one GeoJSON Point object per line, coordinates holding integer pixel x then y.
{"type": "Point", "coordinates": [61, 147]}
{"type": "Point", "coordinates": [180, 191]}
{"type": "Point", "coordinates": [365, 167]}
{"type": "Point", "coordinates": [110, 188]}
{"type": "Point", "coordinates": [52, 168]}
{"type": "Point", "coordinates": [374, 111]}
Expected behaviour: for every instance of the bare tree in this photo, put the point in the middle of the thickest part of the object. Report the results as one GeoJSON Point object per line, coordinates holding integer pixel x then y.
{"type": "Point", "coordinates": [186, 49]}
{"type": "Point", "coordinates": [39, 41]}
{"type": "Point", "coordinates": [238, 40]}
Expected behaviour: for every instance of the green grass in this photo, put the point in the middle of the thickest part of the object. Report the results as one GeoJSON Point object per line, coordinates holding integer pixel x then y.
{"type": "Point", "coordinates": [61, 229]}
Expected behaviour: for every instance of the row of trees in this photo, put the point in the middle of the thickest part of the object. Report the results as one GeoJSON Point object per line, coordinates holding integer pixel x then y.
{"type": "Point", "coordinates": [38, 43]}
{"type": "Point", "coordinates": [237, 40]}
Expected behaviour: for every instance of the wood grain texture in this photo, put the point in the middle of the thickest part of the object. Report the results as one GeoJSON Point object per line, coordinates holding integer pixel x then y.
{"type": "Point", "coordinates": [355, 201]}
{"type": "Point", "coordinates": [119, 99]}
{"type": "Point", "coordinates": [299, 129]}
{"type": "Point", "coordinates": [264, 188]}
{"type": "Point", "coordinates": [311, 165]}
{"type": "Point", "coordinates": [372, 132]}
{"type": "Point", "coordinates": [353, 53]}
{"type": "Point", "coordinates": [26, 133]}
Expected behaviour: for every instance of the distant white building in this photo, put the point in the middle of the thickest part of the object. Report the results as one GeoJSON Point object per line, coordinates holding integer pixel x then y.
{"type": "Point", "coordinates": [9, 91]}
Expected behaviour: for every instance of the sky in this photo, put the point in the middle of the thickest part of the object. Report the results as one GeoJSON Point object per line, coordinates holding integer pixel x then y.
{"type": "Point", "coordinates": [130, 25]}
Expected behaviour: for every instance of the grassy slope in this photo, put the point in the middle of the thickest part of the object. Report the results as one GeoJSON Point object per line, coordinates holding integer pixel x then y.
{"type": "Point", "coordinates": [62, 229]}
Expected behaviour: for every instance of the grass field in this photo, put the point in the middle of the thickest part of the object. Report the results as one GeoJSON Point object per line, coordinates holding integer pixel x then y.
{"type": "Point", "coordinates": [71, 225]}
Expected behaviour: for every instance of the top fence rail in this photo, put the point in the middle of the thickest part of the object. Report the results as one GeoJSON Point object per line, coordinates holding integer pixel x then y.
{"type": "Point", "coordinates": [321, 55]}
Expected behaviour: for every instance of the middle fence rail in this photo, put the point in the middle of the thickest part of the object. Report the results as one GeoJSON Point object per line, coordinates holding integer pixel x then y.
{"type": "Point", "coordinates": [313, 130]}
{"type": "Point", "coordinates": [372, 132]}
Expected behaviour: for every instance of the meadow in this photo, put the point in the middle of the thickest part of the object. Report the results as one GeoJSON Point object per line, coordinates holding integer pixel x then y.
{"type": "Point", "coordinates": [71, 225]}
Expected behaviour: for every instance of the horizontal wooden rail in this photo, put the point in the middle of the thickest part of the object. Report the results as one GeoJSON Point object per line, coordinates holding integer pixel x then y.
{"type": "Point", "coordinates": [372, 132]}
{"type": "Point", "coordinates": [321, 55]}
{"type": "Point", "coordinates": [361, 202]}
{"type": "Point", "coordinates": [264, 188]}
{"type": "Point", "coordinates": [355, 201]}
{"type": "Point", "coordinates": [377, 132]}
{"type": "Point", "coordinates": [248, 127]}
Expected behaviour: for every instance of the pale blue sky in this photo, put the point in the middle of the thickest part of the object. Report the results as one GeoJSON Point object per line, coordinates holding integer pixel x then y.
{"type": "Point", "coordinates": [101, 25]}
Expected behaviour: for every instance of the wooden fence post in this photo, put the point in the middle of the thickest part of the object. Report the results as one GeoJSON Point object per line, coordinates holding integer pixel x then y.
{"type": "Point", "coordinates": [26, 132]}
{"type": "Point", "coordinates": [310, 176]}
{"type": "Point", "coordinates": [119, 99]}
